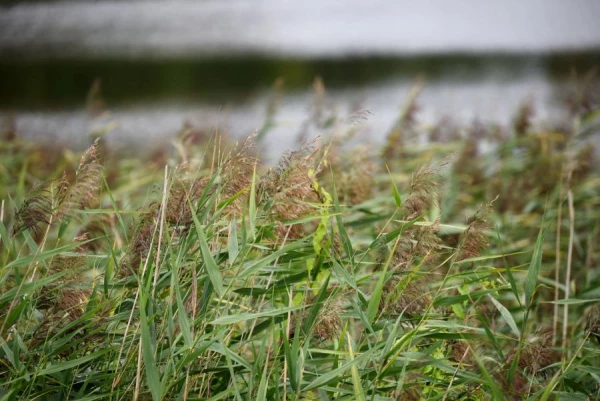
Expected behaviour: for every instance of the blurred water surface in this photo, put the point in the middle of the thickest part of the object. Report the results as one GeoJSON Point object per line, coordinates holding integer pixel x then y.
{"type": "Point", "coordinates": [213, 62]}
{"type": "Point", "coordinates": [308, 28]}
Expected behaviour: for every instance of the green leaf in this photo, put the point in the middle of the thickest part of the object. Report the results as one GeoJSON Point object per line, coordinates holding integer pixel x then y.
{"type": "Point", "coordinates": [317, 306]}
{"type": "Point", "coordinates": [397, 197]}
{"type": "Point", "coordinates": [152, 375]}
{"type": "Point", "coordinates": [262, 387]}
{"type": "Point", "coordinates": [28, 259]}
{"type": "Point", "coordinates": [232, 319]}
{"type": "Point", "coordinates": [223, 350]}
{"type": "Point", "coordinates": [115, 207]}
{"type": "Point", "coordinates": [359, 393]}
{"type": "Point", "coordinates": [346, 243]}
{"type": "Point", "coordinates": [392, 235]}
{"type": "Point", "coordinates": [259, 264]}
{"type": "Point", "coordinates": [252, 206]}
{"type": "Point", "coordinates": [337, 373]}
{"type": "Point", "coordinates": [232, 242]}
{"type": "Point", "coordinates": [534, 267]}
{"type": "Point", "coordinates": [506, 315]}
{"type": "Point", "coordinates": [59, 367]}
{"type": "Point", "coordinates": [184, 321]}
{"type": "Point", "coordinates": [214, 274]}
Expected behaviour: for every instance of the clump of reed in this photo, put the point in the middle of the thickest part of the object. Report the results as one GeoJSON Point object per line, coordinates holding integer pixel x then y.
{"type": "Point", "coordinates": [288, 192]}
{"type": "Point", "coordinates": [204, 273]}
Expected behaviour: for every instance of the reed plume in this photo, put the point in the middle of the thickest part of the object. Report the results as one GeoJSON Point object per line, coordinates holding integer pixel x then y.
{"type": "Point", "coordinates": [424, 190]}
{"type": "Point", "coordinates": [142, 240]}
{"type": "Point", "coordinates": [84, 192]}
{"type": "Point", "coordinates": [472, 240]}
{"type": "Point", "coordinates": [288, 192]}
{"type": "Point", "coordinates": [35, 210]}
{"type": "Point", "coordinates": [592, 326]}
{"type": "Point", "coordinates": [327, 324]}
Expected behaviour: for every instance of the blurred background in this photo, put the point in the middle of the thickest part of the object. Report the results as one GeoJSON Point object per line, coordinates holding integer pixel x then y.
{"type": "Point", "coordinates": [227, 65]}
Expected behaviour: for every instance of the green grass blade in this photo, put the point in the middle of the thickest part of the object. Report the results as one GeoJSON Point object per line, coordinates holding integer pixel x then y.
{"type": "Point", "coordinates": [534, 267]}
{"type": "Point", "coordinates": [214, 274]}
{"type": "Point", "coordinates": [337, 374]}
{"type": "Point", "coordinates": [317, 306]}
{"type": "Point", "coordinates": [359, 393]}
{"type": "Point", "coordinates": [506, 315]}
{"type": "Point", "coordinates": [346, 243]}
{"type": "Point", "coordinates": [184, 321]}
{"type": "Point", "coordinates": [252, 206]}
{"type": "Point", "coordinates": [232, 242]}
{"type": "Point", "coordinates": [397, 197]}
{"type": "Point", "coordinates": [62, 366]}
{"type": "Point", "coordinates": [242, 317]}
{"type": "Point", "coordinates": [152, 375]}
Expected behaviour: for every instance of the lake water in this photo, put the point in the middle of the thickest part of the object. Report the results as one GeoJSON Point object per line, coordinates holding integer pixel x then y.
{"type": "Point", "coordinates": [213, 62]}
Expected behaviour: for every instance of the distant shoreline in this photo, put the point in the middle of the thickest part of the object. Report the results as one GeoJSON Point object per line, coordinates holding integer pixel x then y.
{"type": "Point", "coordinates": [60, 82]}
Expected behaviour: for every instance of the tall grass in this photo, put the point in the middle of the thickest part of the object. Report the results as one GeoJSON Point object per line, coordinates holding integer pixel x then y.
{"type": "Point", "coordinates": [339, 273]}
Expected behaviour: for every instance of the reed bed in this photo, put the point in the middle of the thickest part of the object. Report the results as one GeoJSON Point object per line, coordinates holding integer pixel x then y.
{"type": "Point", "coordinates": [464, 269]}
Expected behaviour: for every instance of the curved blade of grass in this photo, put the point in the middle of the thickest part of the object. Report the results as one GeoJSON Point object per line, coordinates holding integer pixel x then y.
{"type": "Point", "coordinates": [184, 321]}
{"type": "Point", "coordinates": [534, 267]}
{"type": "Point", "coordinates": [232, 242]}
{"type": "Point", "coordinates": [252, 206]}
{"type": "Point", "coordinates": [214, 274]}
{"type": "Point", "coordinates": [59, 367]}
{"type": "Point", "coordinates": [28, 259]}
{"type": "Point", "coordinates": [317, 306]}
{"type": "Point", "coordinates": [337, 373]}
{"type": "Point", "coordinates": [397, 197]}
{"type": "Point", "coordinates": [232, 319]}
{"type": "Point", "coordinates": [506, 315]}
{"type": "Point", "coordinates": [346, 243]}
{"type": "Point", "coordinates": [152, 375]}
{"type": "Point", "coordinates": [262, 387]}
{"type": "Point", "coordinates": [359, 393]}
{"type": "Point", "coordinates": [259, 264]}
{"type": "Point", "coordinates": [378, 291]}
